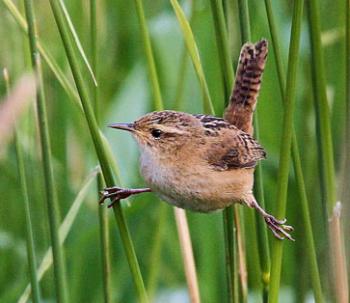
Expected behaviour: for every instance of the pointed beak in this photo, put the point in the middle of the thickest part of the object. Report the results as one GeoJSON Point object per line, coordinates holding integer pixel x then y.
{"type": "Point", "coordinates": [124, 126]}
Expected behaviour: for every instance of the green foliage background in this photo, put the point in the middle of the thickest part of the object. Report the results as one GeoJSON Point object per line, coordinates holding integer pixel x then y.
{"type": "Point", "coordinates": [124, 95]}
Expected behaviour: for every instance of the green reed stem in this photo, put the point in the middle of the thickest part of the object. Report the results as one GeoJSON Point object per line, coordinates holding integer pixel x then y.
{"type": "Point", "coordinates": [347, 85]}
{"type": "Point", "coordinates": [102, 209]}
{"type": "Point", "coordinates": [181, 79]}
{"type": "Point", "coordinates": [276, 47]}
{"type": "Point", "coordinates": [64, 230]}
{"type": "Point", "coordinates": [154, 259]}
{"type": "Point", "coordinates": [181, 76]}
{"type": "Point", "coordinates": [52, 64]}
{"type": "Point", "coordinates": [53, 210]}
{"type": "Point", "coordinates": [31, 255]}
{"type": "Point", "coordinates": [244, 20]}
{"type": "Point", "coordinates": [230, 254]}
{"type": "Point", "coordinates": [194, 54]}
{"type": "Point", "coordinates": [262, 237]}
{"type": "Point", "coordinates": [76, 41]}
{"type": "Point", "coordinates": [158, 103]}
{"type": "Point", "coordinates": [345, 193]}
{"type": "Point", "coordinates": [319, 77]}
{"type": "Point", "coordinates": [228, 213]}
{"type": "Point", "coordinates": [100, 149]}
{"type": "Point", "coordinates": [94, 53]}
{"type": "Point", "coordinates": [325, 143]}
{"type": "Point", "coordinates": [285, 152]}
{"type": "Point", "coordinates": [105, 245]}
{"type": "Point", "coordinates": [309, 238]}
{"type": "Point", "coordinates": [263, 244]}
{"type": "Point", "coordinates": [222, 46]}
{"type": "Point", "coordinates": [305, 212]}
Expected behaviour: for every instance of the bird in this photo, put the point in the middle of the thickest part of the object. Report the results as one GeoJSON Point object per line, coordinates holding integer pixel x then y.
{"type": "Point", "coordinates": [200, 162]}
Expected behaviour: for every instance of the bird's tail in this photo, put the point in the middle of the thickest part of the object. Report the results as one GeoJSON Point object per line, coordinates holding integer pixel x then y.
{"type": "Point", "coordinates": [242, 102]}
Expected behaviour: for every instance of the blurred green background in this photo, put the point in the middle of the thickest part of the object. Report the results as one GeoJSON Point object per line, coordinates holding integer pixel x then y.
{"type": "Point", "coordinates": [124, 95]}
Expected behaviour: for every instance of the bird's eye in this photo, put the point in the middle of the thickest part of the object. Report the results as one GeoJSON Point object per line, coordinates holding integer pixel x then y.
{"type": "Point", "coordinates": [156, 133]}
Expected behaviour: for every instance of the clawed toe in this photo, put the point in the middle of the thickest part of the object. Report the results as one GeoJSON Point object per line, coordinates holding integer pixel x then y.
{"type": "Point", "coordinates": [103, 196]}
{"type": "Point", "coordinates": [110, 192]}
{"type": "Point", "coordinates": [278, 228]}
{"type": "Point", "coordinates": [112, 189]}
{"type": "Point", "coordinates": [116, 193]}
{"type": "Point", "coordinates": [274, 220]}
{"type": "Point", "coordinates": [280, 221]}
{"type": "Point", "coordinates": [288, 227]}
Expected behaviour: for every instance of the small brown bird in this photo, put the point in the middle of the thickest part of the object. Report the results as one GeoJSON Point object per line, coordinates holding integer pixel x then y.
{"type": "Point", "coordinates": [200, 162]}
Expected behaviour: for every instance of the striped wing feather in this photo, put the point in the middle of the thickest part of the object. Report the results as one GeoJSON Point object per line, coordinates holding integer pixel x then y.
{"type": "Point", "coordinates": [241, 151]}
{"type": "Point", "coordinates": [247, 85]}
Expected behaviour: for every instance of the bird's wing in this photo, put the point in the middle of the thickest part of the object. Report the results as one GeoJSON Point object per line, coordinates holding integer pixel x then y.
{"type": "Point", "coordinates": [238, 151]}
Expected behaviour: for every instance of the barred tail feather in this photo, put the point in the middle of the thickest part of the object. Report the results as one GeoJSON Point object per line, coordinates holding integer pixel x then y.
{"type": "Point", "coordinates": [250, 69]}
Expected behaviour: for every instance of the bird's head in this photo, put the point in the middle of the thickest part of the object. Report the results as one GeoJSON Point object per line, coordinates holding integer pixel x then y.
{"type": "Point", "coordinates": [164, 131]}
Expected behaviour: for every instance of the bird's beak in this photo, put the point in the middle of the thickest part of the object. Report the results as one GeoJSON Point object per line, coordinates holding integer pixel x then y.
{"type": "Point", "coordinates": [124, 126]}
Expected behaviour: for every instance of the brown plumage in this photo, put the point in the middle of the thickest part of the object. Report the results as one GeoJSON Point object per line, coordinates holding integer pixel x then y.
{"type": "Point", "coordinates": [247, 85]}
{"type": "Point", "coordinates": [238, 150]}
{"type": "Point", "coordinates": [200, 162]}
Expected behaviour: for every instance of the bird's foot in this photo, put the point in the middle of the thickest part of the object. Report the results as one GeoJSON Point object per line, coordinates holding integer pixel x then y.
{"type": "Point", "coordinates": [117, 193]}
{"type": "Point", "coordinates": [278, 228]}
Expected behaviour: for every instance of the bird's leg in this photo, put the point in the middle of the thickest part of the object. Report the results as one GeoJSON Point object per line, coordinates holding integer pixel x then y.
{"type": "Point", "coordinates": [278, 228]}
{"type": "Point", "coordinates": [116, 193]}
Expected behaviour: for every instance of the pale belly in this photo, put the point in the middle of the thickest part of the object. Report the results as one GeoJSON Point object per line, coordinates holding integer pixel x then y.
{"type": "Point", "coordinates": [194, 188]}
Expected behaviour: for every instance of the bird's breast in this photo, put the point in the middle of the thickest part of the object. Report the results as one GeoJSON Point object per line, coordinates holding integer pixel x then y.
{"type": "Point", "coordinates": [194, 186]}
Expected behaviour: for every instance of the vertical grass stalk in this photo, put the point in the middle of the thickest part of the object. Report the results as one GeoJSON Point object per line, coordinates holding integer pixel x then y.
{"type": "Point", "coordinates": [187, 254]}
{"type": "Point", "coordinates": [346, 173]}
{"type": "Point", "coordinates": [261, 230]}
{"type": "Point", "coordinates": [230, 233]}
{"type": "Point", "coordinates": [28, 221]}
{"type": "Point", "coordinates": [347, 79]}
{"type": "Point", "coordinates": [155, 256]}
{"type": "Point", "coordinates": [319, 77]}
{"type": "Point", "coordinates": [100, 149]}
{"type": "Point", "coordinates": [158, 103]}
{"type": "Point", "coordinates": [194, 54]}
{"type": "Point", "coordinates": [264, 254]}
{"type": "Point", "coordinates": [75, 38]}
{"type": "Point", "coordinates": [181, 80]}
{"type": "Point", "coordinates": [65, 228]}
{"type": "Point", "coordinates": [285, 152]}
{"type": "Point", "coordinates": [305, 212]}
{"type": "Point", "coordinates": [181, 76]}
{"type": "Point", "coordinates": [244, 20]}
{"type": "Point", "coordinates": [105, 245]}
{"type": "Point", "coordinates": [53, 210]}
{"type": "Point", "coordinates": [222, 46]}
{"type": "Point", "coordinates": [230, 254]}
{"type": "Point", "coordinates": [102, 209]}
{"type": "Point", "coordinates": [52, 64]}
{"type": "Point", "coordinates": [309, 238]}
{"type": "Point", "coordinates": [326, 153]}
